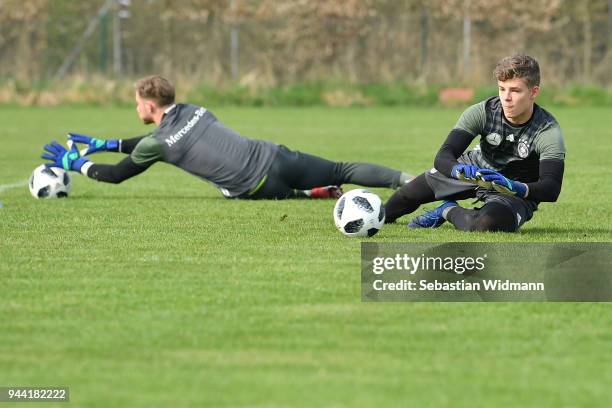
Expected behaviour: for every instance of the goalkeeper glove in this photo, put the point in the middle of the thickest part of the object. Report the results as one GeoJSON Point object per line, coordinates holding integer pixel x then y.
{"type": "Point", "coordinates": [502, 184]}
{"type": "Point", "coordinates": [464, 172]}
{"type": "Point", "coordinates": [95, 145]}
{"type": "Point", "coordinates": [63, 158]}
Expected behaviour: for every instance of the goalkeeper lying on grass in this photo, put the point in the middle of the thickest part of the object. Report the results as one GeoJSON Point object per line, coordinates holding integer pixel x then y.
{"type": "Point", "coordinates": [191, 138]}
{"type": "Point", "coordinates": [518, 163]}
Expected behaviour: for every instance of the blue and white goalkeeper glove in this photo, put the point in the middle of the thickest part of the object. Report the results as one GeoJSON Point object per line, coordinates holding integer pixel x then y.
{"type": "Point", "coordinates": [63, 158]}
{"type": "Point", "coordinates": [502, 184]}
{"type": "Point", "coordinates": [465, 172]}
{"type": "Point", "coordinates": [469, 173]}
{"type": "Point", "coordinates": [95, 145]}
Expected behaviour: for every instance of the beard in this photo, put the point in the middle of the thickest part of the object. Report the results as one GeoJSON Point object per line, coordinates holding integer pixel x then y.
{"type": "Point", "coordinates": [147, 120]}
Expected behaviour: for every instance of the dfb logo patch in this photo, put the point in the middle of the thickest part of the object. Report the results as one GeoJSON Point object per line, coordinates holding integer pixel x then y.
{"type": "Point", "coordinates": [523, 149]}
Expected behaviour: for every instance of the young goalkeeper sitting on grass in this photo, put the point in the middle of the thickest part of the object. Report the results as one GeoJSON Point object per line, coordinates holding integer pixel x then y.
{"type": "Point", "coordinates": [518, 163]}
{"type": "Point", "coordinates": [191, 138]}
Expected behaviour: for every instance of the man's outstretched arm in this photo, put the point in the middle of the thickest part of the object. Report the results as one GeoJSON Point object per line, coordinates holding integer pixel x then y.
{"type": "Point", "coordinates": [144, 151]}
{"type": "Point", "coordinates": [143, 156]}
{"type": "Point", "coordinates": [113, 173]}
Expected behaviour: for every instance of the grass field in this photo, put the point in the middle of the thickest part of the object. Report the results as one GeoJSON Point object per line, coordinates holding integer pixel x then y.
{"type": "Point", "coordinates": [159, 292]}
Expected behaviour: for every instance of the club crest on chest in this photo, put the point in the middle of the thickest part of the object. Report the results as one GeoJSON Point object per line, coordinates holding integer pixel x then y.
{"type": "Point", "coordinates": [523, 149]}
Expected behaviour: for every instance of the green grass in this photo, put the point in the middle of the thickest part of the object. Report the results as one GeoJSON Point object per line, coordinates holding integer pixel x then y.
{"type": "Point", "coordinates": [159, 292]}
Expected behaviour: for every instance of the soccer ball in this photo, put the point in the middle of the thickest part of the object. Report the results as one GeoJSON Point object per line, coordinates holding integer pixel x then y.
{"type": "Point", "coordinates": [359, 213]}
{"type": "Point", "coordinates": [51, 182]}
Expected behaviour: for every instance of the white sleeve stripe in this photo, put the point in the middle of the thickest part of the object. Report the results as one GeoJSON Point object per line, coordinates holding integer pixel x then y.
{"type": "Point", "coordinates": [86, 167]}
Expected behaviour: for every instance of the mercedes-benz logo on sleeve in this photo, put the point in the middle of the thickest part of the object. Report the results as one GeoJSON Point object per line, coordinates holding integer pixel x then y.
{"type": "Point", "coordinates": [494, 139]}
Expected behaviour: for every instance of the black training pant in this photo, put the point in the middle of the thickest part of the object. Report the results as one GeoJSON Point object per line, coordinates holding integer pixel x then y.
{"type": "Point", "coordinates": [292, 170]}
{"type": "Point", "coordinates": [412, 195]}
{"type": "Point", "coordinates": [496, 214]}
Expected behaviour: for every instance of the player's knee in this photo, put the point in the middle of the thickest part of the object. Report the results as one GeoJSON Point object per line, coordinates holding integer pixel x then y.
{"type": "Point", "coordinates": [343, 172]}
{"type": "Point", "coordinates": [495, 219]}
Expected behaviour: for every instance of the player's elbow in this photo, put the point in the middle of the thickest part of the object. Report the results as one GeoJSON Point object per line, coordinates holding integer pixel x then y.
{"type": "Point", "coordinates": [548, 187]}
{"type": "Point", "coordinates": [551, 197]}
{"type": "Point", "coordinates": [438, 163]}
{"type": "Point", "coordinates": [118, 178]}
{"type": "Point", "coordinates": [108, 180]}
{"type": "Point", "coordinates": [444, 164]}
{"type": "Point", "coordinates": [553, 190]}
{"type": "Point", "coordinates": [108, 177]}
{"type": "Point", "coordinates": [554, 196]}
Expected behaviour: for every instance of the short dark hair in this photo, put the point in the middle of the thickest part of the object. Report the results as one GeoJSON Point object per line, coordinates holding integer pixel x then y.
{"type": "Point", "coordinates": [156, 88]}
{"type": "Point", "coordinates": [518, 66]}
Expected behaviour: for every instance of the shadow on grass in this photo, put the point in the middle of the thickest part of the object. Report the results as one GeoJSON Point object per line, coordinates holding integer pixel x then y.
{"type": "Point", "coordinates": [189, 197]}
{"type": "Point", "coordinates": [559, 230]}
{"type": "Point", "coordinates": [146, 198]}
{"type": "Point", "coordinates": [525, 230]}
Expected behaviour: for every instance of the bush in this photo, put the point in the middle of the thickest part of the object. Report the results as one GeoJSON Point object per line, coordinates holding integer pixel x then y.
{"type": "Point", "coordinates": [101, 91]}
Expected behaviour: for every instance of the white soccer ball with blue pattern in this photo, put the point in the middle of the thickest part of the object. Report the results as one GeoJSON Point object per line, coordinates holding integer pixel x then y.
{"type": "Point", "coordinates": [51, 182]}
{"type": "Point", "coordinates": [359, 213]}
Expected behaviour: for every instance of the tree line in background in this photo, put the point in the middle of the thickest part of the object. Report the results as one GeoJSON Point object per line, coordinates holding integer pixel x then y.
{"type": "Point", "coordinates": [267, 43]}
